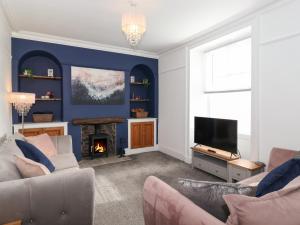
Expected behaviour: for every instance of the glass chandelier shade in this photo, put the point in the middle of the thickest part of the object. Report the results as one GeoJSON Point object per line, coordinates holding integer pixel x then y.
{"type": "Point", "coordinates": [133, 26]}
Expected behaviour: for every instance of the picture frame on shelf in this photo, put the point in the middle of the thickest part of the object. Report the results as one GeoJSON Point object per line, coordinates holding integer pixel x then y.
{"type": "Point", "coordinates": [50, 73]}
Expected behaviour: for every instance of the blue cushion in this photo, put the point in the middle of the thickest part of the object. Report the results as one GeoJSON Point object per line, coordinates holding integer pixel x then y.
{"type": "Point", "coordinates": [279, 177]}
{"type": "Point", "coordinates": [33, 153]}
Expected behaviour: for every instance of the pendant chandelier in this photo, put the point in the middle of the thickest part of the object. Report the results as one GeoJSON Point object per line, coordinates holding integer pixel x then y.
{"type": "Point", "coordinates": [133, 25]}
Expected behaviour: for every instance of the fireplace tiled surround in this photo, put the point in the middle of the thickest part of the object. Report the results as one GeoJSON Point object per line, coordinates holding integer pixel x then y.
{"type": "Point", "coordinates": [108, 129]}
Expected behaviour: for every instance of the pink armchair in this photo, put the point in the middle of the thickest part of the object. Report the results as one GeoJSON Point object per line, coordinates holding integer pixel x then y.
{"type": "Point", "coordinates": [163, 205]}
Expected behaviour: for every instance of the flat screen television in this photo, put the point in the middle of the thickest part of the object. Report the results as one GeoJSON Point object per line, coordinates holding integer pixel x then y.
{"type": "Point", "coordinates": [216, 133]}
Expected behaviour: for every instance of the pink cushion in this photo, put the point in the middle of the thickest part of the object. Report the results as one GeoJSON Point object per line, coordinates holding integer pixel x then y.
{"type": "Point", "coordinates": [29, 168]}
{"type": "Point", "coordinates": [44, 143]}
{"type": "Point", "coordinates": [276, 208]}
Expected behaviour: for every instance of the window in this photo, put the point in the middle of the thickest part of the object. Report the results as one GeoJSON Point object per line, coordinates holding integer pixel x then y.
{"type": "Point", "coordinates": [228, 83]}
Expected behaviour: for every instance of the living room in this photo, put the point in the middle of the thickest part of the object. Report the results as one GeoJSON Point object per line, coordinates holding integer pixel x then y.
{"type": "Point", "coordinates": [119, 98]}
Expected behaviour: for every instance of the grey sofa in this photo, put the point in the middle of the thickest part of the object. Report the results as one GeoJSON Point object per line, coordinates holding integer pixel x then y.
{"type": "Point", "coordinates": [64, 197]}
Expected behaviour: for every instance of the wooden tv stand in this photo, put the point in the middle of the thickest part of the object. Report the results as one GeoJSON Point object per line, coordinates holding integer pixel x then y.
{"type": "Point", "coordinates": [212, 160]}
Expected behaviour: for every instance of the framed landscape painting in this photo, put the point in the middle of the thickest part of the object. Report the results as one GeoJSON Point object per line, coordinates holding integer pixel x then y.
{"type": "Point", "coordinates": [97, 86]}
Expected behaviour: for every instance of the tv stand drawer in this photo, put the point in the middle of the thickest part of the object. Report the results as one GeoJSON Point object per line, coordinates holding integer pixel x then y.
{"type": "Point", "coordinates": [211, 165]}
{"type": "Point", "coordinates": [237, 173]}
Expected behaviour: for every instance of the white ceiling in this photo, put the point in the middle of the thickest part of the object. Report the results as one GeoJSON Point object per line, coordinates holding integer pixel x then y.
{"type": "Point", "coordinates": [169, 22]}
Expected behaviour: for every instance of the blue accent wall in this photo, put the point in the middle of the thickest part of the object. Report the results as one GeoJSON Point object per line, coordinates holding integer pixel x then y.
{"type": "Point", "coordinates": [74, 56]}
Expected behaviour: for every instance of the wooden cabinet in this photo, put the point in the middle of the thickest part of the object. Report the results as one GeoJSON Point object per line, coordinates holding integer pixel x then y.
{"type": "Point", "coordinates": [33, 129]}
{"type": "Point", "coordinates": [51, 131]}
{"type": "Point", "coordinates": [142, 134]}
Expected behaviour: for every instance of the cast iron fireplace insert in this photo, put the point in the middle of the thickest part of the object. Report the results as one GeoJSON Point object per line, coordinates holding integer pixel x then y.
{"type": "Point", "coordinates": [98, 145]}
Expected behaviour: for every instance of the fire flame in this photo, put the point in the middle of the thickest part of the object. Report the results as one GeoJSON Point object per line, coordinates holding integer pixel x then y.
{"type": "Point", "coordinates": [99, 148]}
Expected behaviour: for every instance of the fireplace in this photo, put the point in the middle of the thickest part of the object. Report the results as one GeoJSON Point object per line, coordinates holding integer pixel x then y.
{"type": "Point", "coordinates": [101, 129]}
{"type": "Point", "coordinates": [98, 145]}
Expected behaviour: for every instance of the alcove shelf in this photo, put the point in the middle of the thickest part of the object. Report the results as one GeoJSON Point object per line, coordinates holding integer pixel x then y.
{"type": "Point", "coordinates": [142, 94]}
{"type": "Point", "coordinates": [138, 83]}
{"type": "Point", "coordinates": [40, 83]}
{"type": "Point", "coordinates": [139, 100]}
{"type": "Point", "coordinates": [50, 99]}
{"type": "Point", "coordinates": [43, 77]}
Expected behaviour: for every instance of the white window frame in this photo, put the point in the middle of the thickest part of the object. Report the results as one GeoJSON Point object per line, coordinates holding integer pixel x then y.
{"type": "Point", "coordinates": [221, 46]}
{"type": "Point", "coordinates": [207, 92]}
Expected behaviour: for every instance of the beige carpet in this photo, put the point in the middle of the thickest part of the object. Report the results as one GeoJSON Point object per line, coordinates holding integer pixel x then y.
{"type": "Point", "coordinates": [102, 161]}
{"type": "Point", "coordinates": [119, 185]}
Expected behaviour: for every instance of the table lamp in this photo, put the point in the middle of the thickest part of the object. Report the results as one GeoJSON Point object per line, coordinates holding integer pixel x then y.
{"type": "Point", "coordinates": [22, 102]}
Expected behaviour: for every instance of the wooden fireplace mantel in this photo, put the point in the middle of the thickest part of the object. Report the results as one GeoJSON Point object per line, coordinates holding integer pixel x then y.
{"type": "Point", "coordinates": [96, 121]}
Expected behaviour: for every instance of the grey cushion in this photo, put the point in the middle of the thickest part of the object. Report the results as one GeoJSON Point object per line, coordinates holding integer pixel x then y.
{"type": "Point", "coordinates": [64, 161]}
{"type": "Point", "coordinates": [8, 169]}
{"type": "Point", "coordinates": [209, 195]}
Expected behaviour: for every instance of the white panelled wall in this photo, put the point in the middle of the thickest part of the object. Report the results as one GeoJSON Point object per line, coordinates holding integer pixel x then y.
{"type": "Point", "coordinates": [172, 103]}
{"type": "Point", "coordinates": [279, 69]}
{"type": "Point", "coordinates": [275, 84]}
{"type": "Point", "coordinates": [5, 74]}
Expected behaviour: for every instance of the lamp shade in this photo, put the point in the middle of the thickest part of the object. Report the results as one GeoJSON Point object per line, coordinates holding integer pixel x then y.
{"type": "Point", "coordinates": [21, 98]}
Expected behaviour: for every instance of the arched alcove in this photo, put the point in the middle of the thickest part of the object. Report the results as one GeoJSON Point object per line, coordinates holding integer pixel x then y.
{"type": "Point", "coordinates": [39, 62]}
{"type": "Point", "coordinates": [143, 95]}
{"type": "Point", "coordinates": [39, 82]}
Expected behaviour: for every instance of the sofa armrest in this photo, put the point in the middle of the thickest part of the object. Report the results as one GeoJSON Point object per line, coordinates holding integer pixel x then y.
{"type": "Point", "coordinates": [163, 205]}
{"type": "Point", "coordinates": [66, 197]}
{"type": "Point", "coordinates": [63, 143]}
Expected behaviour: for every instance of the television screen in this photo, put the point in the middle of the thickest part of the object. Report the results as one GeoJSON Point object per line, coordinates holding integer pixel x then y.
{"type": "Point", "coordinates": [216, 133]}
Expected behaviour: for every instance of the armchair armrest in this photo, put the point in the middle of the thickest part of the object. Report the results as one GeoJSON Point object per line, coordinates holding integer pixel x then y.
{"type": "Point", "coordinates": [66, 197]}
{"type": "Point", "coordinates": [163, 205]}
{"type": "Point", "coordinates": [63, 143]}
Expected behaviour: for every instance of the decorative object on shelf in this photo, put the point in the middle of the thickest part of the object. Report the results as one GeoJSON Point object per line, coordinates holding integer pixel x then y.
{"type": "Point", "coordinates": [42, 117]}
{"type": "Point", "coordinates": [146, 82]}
{"type": "Point", "coordinates": [22, 102]}
{"type": "Point", "coordinates": [139, 113]}
{"type": "Point", "coordinates": [50, 94]}
{"type": "Point", "coordinates": [97, 86]}
{"type": "Point", "coordinates": [45, 97]}
{"type": "Point", "coordinates": [50, 73]}
{"type": "Point", "coordinates": [132, 79]}
{"type": "Point", "coordinates": [133, 25]}
{"type": "Point", "coordinates": [27, 72]}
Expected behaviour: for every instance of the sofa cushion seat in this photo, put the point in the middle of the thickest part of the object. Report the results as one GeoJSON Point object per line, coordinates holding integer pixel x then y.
{"type": "Point", "coordinates": [64, 161]}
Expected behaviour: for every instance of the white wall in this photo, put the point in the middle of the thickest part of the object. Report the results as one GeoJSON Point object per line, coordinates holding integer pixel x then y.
{"type": "Point", "coordinates": [5, 74]}
{"type": "Point", "coordinates": [279, 78]}
{"type": "Point", "coordinates": [276, 76]}
{"type": "Point", "coordinates": [172, 103]}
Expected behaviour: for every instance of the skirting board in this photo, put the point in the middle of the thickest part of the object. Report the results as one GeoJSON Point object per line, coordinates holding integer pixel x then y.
{"type": "Point", "coordinates": [171, 152]}
{"type": "Point", "coordinates": [140, 150]}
